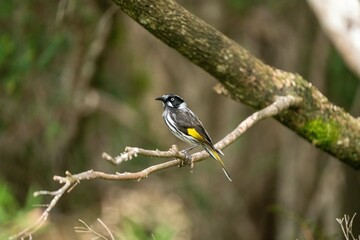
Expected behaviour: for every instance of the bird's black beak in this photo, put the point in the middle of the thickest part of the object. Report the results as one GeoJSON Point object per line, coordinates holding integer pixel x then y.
{"type": "Point", "coordinates": [160, 98]}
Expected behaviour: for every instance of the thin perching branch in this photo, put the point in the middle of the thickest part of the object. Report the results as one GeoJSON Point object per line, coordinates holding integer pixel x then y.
{"type": "Point", "coordinates": [71, 180]}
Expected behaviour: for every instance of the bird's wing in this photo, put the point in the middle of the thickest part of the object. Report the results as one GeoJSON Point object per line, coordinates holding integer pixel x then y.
{"type": "Point", "coordinates": [190, 125]}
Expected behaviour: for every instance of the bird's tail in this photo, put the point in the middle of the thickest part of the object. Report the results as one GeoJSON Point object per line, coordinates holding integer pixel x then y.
{"type": "Point", "coordinates": [215, 154]}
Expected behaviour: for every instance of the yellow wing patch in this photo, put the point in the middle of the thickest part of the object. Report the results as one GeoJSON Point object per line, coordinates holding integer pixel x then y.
{"type": "Point", "coordinates": [192, 132]}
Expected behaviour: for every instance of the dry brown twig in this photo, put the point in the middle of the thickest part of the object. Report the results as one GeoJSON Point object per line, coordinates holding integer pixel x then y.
{"type": "Point", "coordinates": [88, 229]}
{"type": "Point", "coordinates": [346, 224]}
{"type": "Point", "coordinates": [71, 180]}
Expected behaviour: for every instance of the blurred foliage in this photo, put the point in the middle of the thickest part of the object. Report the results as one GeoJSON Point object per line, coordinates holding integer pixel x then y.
{"type": "Point", "coordinates": [134, 231]}
{"type": "Point", "coordinates": [243, 5]}
{"type": "Point", "coordinates": [343, 83]}
{"type": "Point", "coordinates": [8, 204]}
{"type": "Point", "coordinates": [6, 9]}
{"type": "Point", "coordinates": [11, 214]}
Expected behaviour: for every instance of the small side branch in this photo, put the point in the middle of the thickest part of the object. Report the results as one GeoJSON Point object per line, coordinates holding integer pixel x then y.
{"type": "Point", "coordinates": [71, 180]}
{"type": "Point", "coordinates": [131, 152]}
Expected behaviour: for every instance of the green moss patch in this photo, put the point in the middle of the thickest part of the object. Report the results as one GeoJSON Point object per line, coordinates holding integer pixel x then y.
{"type": "Point", "coordinates": [322, 133]}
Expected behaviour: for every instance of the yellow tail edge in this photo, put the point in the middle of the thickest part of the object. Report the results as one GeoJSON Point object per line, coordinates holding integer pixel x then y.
{"type": "Point", "coordinates": [215, 155]}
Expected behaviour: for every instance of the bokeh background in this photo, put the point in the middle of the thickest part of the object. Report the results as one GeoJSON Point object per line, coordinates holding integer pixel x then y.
{"type": "Point", "coordinates": [78, 78]}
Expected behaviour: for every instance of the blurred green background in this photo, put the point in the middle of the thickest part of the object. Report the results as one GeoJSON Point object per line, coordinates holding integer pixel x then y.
{"type": "Point", "coordinates": [77, 80]}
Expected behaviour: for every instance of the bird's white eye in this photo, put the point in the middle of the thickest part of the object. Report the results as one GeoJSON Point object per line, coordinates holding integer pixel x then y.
{"type": "Point", "coordinates": [172, 99]}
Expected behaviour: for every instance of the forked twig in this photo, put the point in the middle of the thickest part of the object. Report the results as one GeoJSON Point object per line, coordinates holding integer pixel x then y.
{"type": "Point", "coordinates": [346, 224]}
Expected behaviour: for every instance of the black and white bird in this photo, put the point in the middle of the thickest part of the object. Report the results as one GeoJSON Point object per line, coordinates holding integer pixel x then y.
{"type": "Point", "coordinates": [185, 125]}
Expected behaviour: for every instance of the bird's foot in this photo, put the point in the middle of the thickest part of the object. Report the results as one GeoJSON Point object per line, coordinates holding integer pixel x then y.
{"type": "Point", "coordinates": [187, 160]}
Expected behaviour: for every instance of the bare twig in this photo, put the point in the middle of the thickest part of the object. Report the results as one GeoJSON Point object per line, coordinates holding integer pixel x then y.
{"type": "Point", "coordinates": [106, 228]}
{"type": "Point", "coordinates": [71, 180]}
{"type": "Point", "coordinates": [346, 224]}
{"type": "Point", "coordinates": [89, 229]}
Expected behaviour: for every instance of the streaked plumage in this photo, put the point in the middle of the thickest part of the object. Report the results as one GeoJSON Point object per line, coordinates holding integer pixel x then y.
{"type": "Point", "coordinates": [185, 125]}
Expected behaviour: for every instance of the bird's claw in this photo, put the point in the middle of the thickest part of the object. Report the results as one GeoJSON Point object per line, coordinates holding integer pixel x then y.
{"type": "Point", "coordinates": [187, 160]}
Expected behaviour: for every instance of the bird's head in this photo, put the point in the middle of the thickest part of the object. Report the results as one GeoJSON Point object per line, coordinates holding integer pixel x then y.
{"type": "Point", "coordinates": [172, 101]}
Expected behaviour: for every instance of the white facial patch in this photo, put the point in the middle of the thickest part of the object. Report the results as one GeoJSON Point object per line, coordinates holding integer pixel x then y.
{"type": "Point", "coordinates": [169, 104]}
{"type": "Point", "coordinates": [182, 105]}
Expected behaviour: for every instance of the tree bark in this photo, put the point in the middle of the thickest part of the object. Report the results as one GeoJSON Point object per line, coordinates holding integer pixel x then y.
{"type": "Point", "coordinates": [247, 79]}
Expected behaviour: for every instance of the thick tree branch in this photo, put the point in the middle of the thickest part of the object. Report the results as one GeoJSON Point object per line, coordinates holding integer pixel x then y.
{"type": "Point", "coordinates": [249, 80]}
{"type": "Point", "coordinates": [279, 105]}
